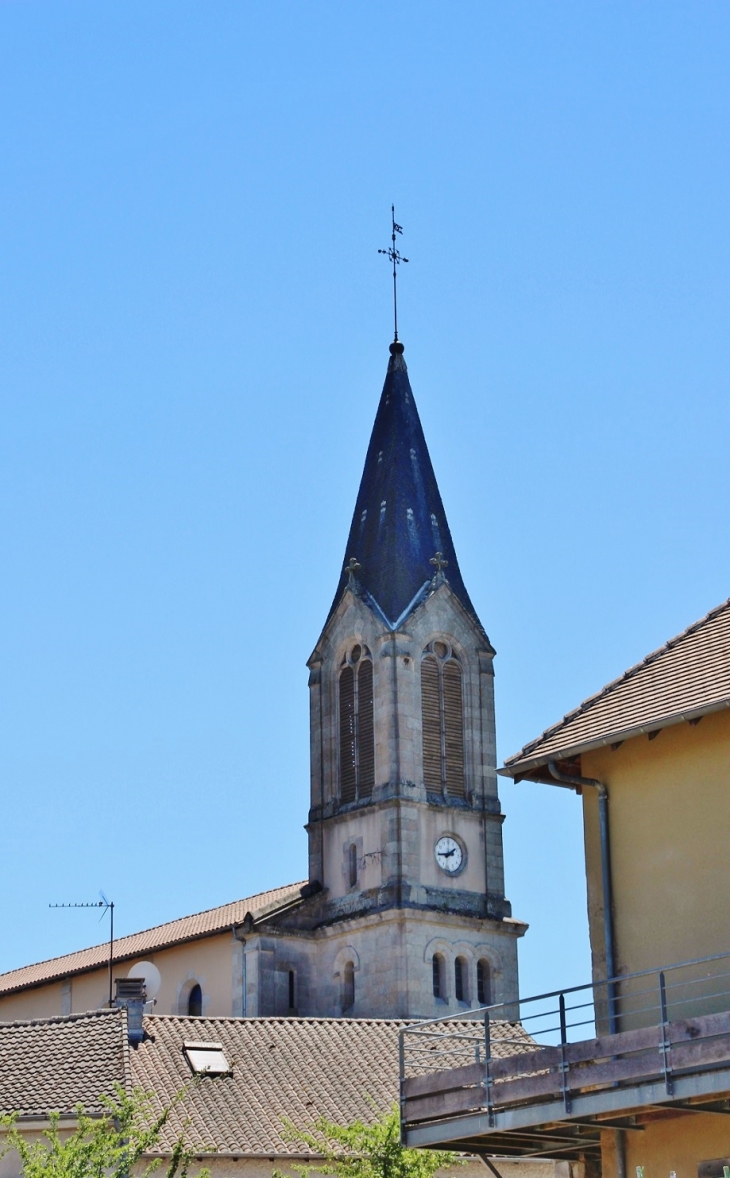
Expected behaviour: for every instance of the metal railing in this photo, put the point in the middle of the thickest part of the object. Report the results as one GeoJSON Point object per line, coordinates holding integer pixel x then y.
{"type": "Point", "coordinates": [548, 1023]}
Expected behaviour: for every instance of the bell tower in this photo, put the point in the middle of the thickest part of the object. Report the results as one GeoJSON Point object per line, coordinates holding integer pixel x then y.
{"type": "Point", "coordinates": [405, 841]}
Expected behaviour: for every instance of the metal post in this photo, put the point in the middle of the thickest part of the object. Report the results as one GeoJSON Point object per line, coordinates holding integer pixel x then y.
{"type": "Point", "coordinates": [111, 951]}
{"type": "Point", "coordinates": [666, 1045]}
{"type": "Point", "coordinates": [619, 1139]}
{"type": "Point", "coordinates": [487, 1071]}
{"type": "Point", "coordinates": [401, 1097]}
{"type": "Point", "coordinates": [563, 1057]}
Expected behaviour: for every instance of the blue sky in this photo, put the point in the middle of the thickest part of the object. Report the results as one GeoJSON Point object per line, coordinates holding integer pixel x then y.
{"type": "Point", "coordinates": [194, 323]}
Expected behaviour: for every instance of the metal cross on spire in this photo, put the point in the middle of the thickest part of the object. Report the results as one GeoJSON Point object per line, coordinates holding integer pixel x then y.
{"type": "Point", "coordinates": [393, 255]}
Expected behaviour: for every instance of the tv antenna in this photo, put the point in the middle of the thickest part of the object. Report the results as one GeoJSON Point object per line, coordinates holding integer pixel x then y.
{"type": "Point", "coordinates": [396, 257]}
{"type": "Point", "coordinates": [108, 906]}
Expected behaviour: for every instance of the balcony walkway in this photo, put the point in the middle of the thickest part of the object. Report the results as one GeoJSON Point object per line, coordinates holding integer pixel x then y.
{"type": "Point", "coordinates": [667, 1053]}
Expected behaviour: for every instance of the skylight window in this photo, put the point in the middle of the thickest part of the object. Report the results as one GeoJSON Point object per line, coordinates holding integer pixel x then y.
{"type": "Point", "coordinates": [207, 1058]}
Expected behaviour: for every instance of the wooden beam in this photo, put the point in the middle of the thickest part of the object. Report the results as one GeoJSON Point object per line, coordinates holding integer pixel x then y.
{"type": "Point", "coordinates": [684, 1107]}
{"type": "Point", "coordinates": [608, 1125]}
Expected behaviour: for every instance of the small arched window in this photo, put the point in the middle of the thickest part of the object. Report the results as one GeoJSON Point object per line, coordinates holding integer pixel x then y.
{"type": "Point", "coordinates": [437, 970]}
{"type": "Point", "coordinates": [442, 714]}
{"type": "Point", "coordinates": [460, 979]}
{"type": "Point", "coordinates": [195, 1001]}
{"type": "Point", "coordinates": [348, 986]}
{"type": "Point", "coordinates": [357, 730]}
{"type": "Point", "coordinates": [484, 983]}
{"type": "Point", "coordinates": [292, 991]}
{"type": "Point", "coordinates": [352, 865]}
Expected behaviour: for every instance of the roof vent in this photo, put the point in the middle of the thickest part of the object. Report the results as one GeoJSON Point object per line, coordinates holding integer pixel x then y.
{"type": "Point", "coordinates": [127, 988]}
{"type": "Point", "coordinates": [130, 992]}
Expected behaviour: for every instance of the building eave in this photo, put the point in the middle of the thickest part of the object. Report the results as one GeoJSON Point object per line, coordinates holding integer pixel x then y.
{"type": "Point", "coordinates": [524, 769]}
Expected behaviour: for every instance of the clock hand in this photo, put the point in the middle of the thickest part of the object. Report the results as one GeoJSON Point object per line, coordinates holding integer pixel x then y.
{"type": "Point", "coordinates": [448, 854]}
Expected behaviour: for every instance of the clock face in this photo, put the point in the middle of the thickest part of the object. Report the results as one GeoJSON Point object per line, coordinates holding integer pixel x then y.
{"type": "Point", "coordinates": [449, 854]}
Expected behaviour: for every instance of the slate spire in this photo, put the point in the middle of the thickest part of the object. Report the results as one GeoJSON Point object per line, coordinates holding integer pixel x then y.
{"type": "Point", "coordinates": [399, 522]}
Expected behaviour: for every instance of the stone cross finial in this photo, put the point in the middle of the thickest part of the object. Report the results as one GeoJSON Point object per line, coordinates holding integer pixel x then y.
{"type": "Point", "coordinates": [439, 561]}
{"type": "Point", "coordinates": [351, 568]}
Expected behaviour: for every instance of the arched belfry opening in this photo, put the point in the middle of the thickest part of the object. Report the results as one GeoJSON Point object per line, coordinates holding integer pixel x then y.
{"type": "Point", "coordinates": [356, 729]}
{"type": "Point", "coordinates": [442, 718]}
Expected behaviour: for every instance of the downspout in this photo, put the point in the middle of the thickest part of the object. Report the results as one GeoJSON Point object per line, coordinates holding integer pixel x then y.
{"type": "Point", "coordinates": [579, 783]}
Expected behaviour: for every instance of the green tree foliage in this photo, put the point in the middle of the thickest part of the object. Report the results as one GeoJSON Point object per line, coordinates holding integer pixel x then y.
{"type": "Point", "coordinates": [111, 1145]}
{"type": "Point", "coordinates": [366, 1151]}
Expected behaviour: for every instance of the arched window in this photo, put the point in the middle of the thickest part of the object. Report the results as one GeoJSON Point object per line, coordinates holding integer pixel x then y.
{"type": "Point", "coordinates": [352, 864]}
{"type": "Point", "coordinates": [195, 1001]}
{"type": "Point", "coordinates": [437, 969]}
{"type": "Point", "coordinates": [460, 979]}
{"type": "Point", "coordinates": [292, 990]}
{"type": "Point", "coordinates": [357, 730]}
{"type": "Point", "coordinates": [484, 983]}
{"type": "Point", "coordinates": [442, 709]}
{"type": "Point", "coordinates": [348, 986]}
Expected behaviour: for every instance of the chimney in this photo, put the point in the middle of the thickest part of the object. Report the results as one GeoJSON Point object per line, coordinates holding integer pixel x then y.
{"type": "Point", "coordinates": [130, 992]}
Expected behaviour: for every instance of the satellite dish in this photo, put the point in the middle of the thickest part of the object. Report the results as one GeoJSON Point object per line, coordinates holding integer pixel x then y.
{"type": "Point", "coordinates": [151, 975]}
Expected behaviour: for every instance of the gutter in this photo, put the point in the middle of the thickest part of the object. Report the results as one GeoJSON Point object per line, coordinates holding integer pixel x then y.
{"type": "Point", "coordinates": [523, 765]}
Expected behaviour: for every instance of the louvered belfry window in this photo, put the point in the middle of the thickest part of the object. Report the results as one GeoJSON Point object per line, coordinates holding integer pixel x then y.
{"type": "Point", "coordinates": [442, 708]}
{"type": "Point", "coordinates": [357, 728]}
{"type": "Point", "coordinates": [431, 707]}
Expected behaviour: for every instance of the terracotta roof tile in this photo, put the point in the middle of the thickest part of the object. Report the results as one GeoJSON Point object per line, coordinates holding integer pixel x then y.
{"type": "Point", "coordinates": [295, 1069]}
{"type": "Point", "coordinates": [282, 1069]}
{"type": "Point", "coordinates": [687, 677]}
{"type": "Point", "coordinates": [51, 1065]}
{"type": "Point", "coordinates": [186, 928]}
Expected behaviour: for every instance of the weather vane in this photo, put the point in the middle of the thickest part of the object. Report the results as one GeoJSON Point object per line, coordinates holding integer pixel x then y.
{"type": "Point", "coordinates": [393, 255]}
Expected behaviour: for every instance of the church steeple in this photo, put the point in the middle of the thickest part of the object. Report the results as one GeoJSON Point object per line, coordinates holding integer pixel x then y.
{"type": "Point", "coordinates": [399, 523]}
{"type": "Point", "coordinates": [405, 838]}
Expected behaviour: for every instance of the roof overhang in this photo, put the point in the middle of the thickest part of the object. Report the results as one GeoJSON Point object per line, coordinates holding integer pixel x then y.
{"type": "Point", "coordinates": [534, 767]}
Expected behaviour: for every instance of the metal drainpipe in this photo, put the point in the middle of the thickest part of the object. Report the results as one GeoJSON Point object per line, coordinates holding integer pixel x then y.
{"type": "Point", "coordinates": [578, 783]}
{"type": "Point", "coordinates": [608, 935]}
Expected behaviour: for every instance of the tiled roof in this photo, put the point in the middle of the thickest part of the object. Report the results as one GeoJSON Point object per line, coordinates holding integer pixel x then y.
{"type": "Point", "coordinates": [187, 928]}
{"type": "Point", "coordinates": [282, 1069]}
{"type": "Point", "coordinates": [51, 1065]}
{"type": "Point", "coordinates": [295, 1069]}
{"type": "Point", "coordinates": [687, 677]}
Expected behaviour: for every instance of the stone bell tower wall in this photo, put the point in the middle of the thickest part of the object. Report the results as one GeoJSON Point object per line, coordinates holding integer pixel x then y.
{"type": "Point", "coordinates": [395, 829]}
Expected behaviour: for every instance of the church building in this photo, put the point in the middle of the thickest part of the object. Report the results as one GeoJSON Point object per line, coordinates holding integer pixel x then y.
{"type": "Point", "coordinates": [404, 913]}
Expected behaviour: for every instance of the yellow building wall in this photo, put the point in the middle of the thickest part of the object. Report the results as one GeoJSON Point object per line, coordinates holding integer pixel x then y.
{"type": "Point", "coordinates": [213, 962]}
{"type": "Point", "coordinates": [42, 1002]}
{"type": "Point", "coordinates": [669, 821]}
{"type": "Point", "coordinates": [679, 1144]}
